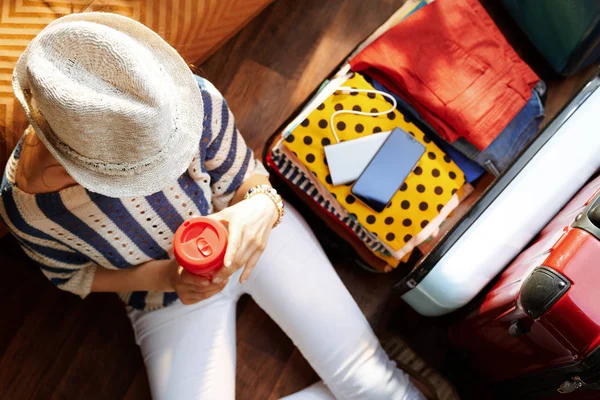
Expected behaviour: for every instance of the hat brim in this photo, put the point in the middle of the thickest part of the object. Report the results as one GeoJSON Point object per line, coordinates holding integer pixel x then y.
{"type": "Point", "coordinates": [188, 103]}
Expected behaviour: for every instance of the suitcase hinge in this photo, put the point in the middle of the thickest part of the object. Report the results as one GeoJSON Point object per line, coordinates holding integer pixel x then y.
{"type": "Point", "coordinates": [571, 385]}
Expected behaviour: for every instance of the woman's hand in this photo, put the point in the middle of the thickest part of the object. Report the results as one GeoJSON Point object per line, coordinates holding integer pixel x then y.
{"type": "Point", "coordinates": [160, 276]}
{"type": "Point", "coordinates": [192, 288]}
{"type": "Point", "coordinates": [249, 223]}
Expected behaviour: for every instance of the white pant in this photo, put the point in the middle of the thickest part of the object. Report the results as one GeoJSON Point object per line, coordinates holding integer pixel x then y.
{"type": "Point", "coordinates": [190, 353]}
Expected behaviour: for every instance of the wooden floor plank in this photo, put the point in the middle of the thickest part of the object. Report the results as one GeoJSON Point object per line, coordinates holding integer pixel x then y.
{"type": "Point", "coordinates": [139, 389]}
{"type": "Point", "coordinates": [295, 376]}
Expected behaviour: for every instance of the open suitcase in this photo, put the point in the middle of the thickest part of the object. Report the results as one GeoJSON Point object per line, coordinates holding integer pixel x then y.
{"type": "Point", "coordinates": [496, 221]}
{"type": "Point", "coordinates": [537, 331]}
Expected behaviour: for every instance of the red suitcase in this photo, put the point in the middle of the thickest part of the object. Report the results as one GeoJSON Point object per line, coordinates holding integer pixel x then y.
{"type": "Point", "coordinates": [536, 334]}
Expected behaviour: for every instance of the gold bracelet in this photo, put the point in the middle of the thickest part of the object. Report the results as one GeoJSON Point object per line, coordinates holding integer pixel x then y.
{"type": "Point", "coordinates": [272, 194]}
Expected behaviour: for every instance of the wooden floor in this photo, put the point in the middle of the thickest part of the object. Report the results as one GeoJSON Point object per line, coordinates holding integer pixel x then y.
{"type": "Point", "coordinates": [53, 345]}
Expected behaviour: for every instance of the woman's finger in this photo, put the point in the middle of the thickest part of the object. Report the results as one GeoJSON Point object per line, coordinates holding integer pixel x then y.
{"type": "Point", "coordinates": [223, 274]}
{"type": "Point", "coordinates": [195, 280]}
{"type": "Point", "coordinates": [250, 264]}
{"type": "Point", "coordinates": [201, 284]}
{"type": "Point", "coordinates": [202, 289]}
{"type": "Point", "coordinates": [211, 293]}
{"type": "Point", "coordinates": [192, 298]}
{"type": "Point", "coordinates": [249, 246]}
{"type": "Point", "coordinates": [233, 247]}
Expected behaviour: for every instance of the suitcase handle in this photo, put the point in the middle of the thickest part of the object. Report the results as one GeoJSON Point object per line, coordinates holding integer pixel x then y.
{"type": "Point", "coordinates": [541, 290]}
{"type": "Point", "coordinates": [589, 219]}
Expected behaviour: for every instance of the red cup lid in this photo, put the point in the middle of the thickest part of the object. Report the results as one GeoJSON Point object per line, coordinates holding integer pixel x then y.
{"type": "Point", "coordinates": [199, 245]}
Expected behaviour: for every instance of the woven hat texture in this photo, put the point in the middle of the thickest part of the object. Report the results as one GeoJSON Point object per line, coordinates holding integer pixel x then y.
{"type": "Point", "coordinates": [113, 102]}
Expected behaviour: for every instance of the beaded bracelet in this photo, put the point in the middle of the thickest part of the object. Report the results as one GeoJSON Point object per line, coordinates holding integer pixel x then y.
{"type": "Point", "coordinates": [272, 194]}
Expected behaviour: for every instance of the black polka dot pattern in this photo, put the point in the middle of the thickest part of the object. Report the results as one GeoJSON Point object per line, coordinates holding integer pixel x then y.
{"type": "Point", "coordinates": [426, 189]}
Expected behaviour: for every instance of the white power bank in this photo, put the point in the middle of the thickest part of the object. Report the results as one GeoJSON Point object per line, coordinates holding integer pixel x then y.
{"type": "Point", "coordinates": [347, 160]}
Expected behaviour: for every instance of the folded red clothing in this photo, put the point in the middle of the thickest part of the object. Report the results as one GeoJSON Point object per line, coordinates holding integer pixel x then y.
{"type": "Point", "coordinates": [450, 61]}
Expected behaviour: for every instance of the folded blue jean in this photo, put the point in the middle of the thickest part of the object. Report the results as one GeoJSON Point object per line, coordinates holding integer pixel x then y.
{"type": "Point", "coordinates": [470, 168]}
{"type": "Point", "coordinates": [511, 141]}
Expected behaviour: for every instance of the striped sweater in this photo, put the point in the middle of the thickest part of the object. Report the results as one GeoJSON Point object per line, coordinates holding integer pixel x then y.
{"type": "Point", "coordinates": [72, 232]}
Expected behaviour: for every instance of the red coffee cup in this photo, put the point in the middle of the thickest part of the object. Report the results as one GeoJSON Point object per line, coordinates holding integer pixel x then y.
{"type": "Point", "coordinates": [199, 246]}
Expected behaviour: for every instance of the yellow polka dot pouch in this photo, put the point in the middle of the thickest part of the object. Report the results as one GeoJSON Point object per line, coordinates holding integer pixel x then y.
{"type": "Point", "coordinates": [424, 192]}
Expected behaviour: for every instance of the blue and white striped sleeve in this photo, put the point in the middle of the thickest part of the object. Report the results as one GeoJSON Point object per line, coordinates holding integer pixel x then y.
{"type": "Point", "coordinates": [74, 274]}
{"type": "Point", "coordinates": [227, 158]}
{"type": "Point", "coordinates": [63, 266]}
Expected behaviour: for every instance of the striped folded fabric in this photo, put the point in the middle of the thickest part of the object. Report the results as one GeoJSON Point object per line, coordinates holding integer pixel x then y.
{"type": "Point", "coordinates": [293, 171]}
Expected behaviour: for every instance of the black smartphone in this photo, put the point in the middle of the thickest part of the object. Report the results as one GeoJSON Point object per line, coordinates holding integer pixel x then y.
{"type": "Point", "coordinates": [388, 169]}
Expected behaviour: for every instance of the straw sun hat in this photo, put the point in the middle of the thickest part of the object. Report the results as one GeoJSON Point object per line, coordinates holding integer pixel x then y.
{"type": "Point", "coordinates": [112, 101]}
